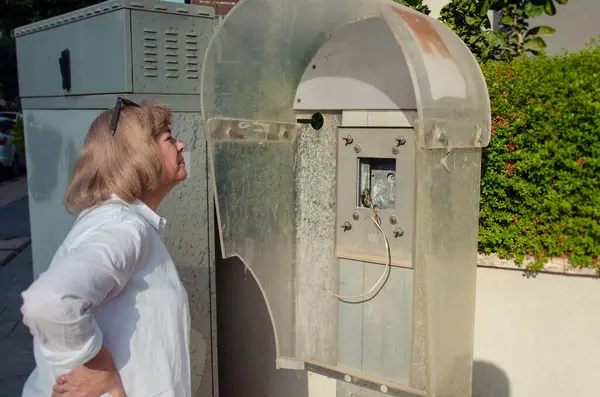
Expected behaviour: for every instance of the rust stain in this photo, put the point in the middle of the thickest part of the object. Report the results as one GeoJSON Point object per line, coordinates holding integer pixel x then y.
{"type": "Point", "coordinates": [428, 39]}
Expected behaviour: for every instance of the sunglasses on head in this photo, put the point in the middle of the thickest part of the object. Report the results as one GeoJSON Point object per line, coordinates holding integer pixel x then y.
{"type": "Point", "coordinates": [114, 120]}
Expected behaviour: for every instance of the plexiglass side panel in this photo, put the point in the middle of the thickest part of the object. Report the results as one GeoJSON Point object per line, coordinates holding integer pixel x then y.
{"type": "Point", "coordinates": [253, 169]}
{"type": "Point", "coordinates": [262, 49]}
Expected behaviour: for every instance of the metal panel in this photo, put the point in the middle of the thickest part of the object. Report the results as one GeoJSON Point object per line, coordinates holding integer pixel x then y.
{"type": "Point", "coordinates": [343, 76]}
{"type": "Point", "coordinates": [98, 57]}
{"type": "Point", "coordinates": [188, 241]}
{"type": "Point", "coordinates": [360, 152]}
{"type": "Point", "coordinates": [379, 118]}
{"type": "Point", "coordinates": [53, 140]}
{"type": "Point", "coordinates": [315, 264]}
{"type": "Point", "coordinates": [375, 336]}
{"type": "Point", "coordinates": [116, 46]}
{"type": "Point", "coordinates": [167, 52]}
{"type": "Point", "coordinates": [446, 262]}
{"type": "Point", "coordinates": [350, 315]}
{"type": "Point", "coordinates": [387, 325]}
{"type": "Point", "coordinates": [363, 380]}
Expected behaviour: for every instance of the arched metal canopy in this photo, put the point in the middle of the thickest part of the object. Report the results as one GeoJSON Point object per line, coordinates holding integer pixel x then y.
{"type": "Point", "coordinates": [263, 47]}
{"type": "Point", "coordinates": [256, 72]}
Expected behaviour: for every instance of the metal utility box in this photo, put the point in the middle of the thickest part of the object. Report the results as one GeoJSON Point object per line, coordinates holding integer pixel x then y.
{"type": "Point", "coordinates": [143, 47]}
{"type": "Point", "coordinates": [71, 68]}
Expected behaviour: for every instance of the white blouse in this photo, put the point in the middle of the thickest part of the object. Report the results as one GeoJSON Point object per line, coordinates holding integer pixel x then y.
{"type": "Point", "coordinates": [112, 282]}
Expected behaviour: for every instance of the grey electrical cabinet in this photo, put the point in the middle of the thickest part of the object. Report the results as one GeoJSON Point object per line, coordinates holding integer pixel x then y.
{"type": "Point", "coordinates": [71, 68]}
{"type": "Point", "coordinates": [144, 47]}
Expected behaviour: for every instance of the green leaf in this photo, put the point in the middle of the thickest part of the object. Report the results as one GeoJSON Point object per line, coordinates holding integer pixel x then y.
{"type": "Point", "coordinates": [533, 10]}
{"type": "Point", "coordinates": [485, 8]}
{"type": "Point", "coordinates": [562, 1]}
{"type": "Point", "coordinates": [550, 8]}
{"type": "Point", "coordinates": [540, 31]}
{"type": "Point", "coordinates": [507, 20]}
{"type": "Point", "coordinates": [535, 44]}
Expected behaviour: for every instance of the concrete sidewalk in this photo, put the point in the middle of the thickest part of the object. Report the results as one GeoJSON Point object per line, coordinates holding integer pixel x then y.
{"type": "Point", "coordinates": [14, 219]}
{"type": "Point", "coordinates": [15, 340]}
{"type": "Point", "coordinates": [16, 273]}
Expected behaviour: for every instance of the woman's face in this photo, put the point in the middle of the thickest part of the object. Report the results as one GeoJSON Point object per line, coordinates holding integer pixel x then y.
{"type": "Point", "coordinates": [171, 149]}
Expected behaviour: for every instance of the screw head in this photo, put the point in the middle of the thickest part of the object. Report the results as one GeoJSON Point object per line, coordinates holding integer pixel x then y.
{"type": "Point", "coordinates": [346, 226]}
{"type": "Point", "coordinates": [395, 150]}
{"type": "Point", "coordinates": [393, 220]}
{"type": "Point", "coordinates": [398, 232]}
{"type": "Point", "coordinates": [355, 216]}
{"type": "Point", "coordinates": [357, 148]}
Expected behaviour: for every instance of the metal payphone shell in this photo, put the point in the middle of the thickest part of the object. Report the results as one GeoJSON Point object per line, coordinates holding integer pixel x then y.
{"type": "Point", "coordinates": [395, 165]}
{"type": "Point", "coordinates": [375, 184]}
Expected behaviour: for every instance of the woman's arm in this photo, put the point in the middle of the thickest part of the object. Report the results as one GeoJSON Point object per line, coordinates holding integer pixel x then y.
{"type": "Point", "coordinates": [57, 307]}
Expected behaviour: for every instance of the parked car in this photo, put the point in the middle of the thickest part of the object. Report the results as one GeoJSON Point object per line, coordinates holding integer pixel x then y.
{"type": "Point", "coordinates": [10, 115]}
{"type": "Point", "coordinates": [10, 160]}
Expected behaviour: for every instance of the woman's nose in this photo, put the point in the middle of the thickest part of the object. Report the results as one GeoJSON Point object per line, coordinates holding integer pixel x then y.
{"type": "Point", "coordinates": [181, 146]}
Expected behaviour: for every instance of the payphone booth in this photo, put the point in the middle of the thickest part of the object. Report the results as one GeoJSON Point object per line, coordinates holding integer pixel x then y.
{"type": "Point", "coordinates": [345, 142]}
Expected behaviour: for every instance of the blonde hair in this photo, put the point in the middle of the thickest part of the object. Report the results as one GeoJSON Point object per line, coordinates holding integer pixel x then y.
{"type": "Point", "coordinates": [127, 163]}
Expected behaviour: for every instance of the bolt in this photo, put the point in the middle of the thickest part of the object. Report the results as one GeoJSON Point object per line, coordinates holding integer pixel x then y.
{"type": "Point", "coordinates": [347, 226]}
{"type": "Point", "coordinates": [357, 148]}
{"type": "Point", "coordinates": [395, 150]}
{"type": "Point", "coordinates": [401, 141]}
{"type": "Point", "coordinates": [348, 139]}
{"type": "Point", "coordinates": [398, 232]}
{"type": "Point", "coordinates": [355, 216]}
{"type": "Point", "coordinates": [393, 220]}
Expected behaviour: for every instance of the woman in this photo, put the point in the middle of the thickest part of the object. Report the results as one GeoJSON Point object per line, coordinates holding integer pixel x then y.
{"type": "Point", "coordinates": [110, 315]}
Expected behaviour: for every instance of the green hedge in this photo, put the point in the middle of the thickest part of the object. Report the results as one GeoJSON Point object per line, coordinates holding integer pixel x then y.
{"type": "Point", "coordinates": [540, 190]}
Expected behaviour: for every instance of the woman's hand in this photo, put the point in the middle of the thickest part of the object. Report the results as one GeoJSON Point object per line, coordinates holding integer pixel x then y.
{"type": "Point", "coordinates": [93, 379]}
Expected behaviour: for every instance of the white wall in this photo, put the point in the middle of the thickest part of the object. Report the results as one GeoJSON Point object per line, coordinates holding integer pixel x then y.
{"type": "Point", "coordinates": [536, 336]}
{"type": "Point", "coordinates": [435, 6]}
{"type": "Point", "coordinates": [576, 23]}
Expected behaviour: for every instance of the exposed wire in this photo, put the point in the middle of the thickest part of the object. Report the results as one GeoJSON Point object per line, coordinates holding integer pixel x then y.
{"type": "Point", "coordinates": [385, 271]}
